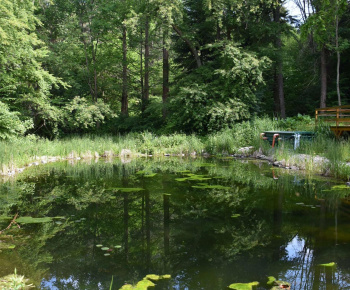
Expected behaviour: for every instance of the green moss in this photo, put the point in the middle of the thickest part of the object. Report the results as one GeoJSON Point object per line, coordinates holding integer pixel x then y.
{"type": "Point", "coordinates": [243, 286]}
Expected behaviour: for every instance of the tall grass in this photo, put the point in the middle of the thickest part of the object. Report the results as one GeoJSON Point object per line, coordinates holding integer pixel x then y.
{"type": "Point", "coordinates": [22, 151]}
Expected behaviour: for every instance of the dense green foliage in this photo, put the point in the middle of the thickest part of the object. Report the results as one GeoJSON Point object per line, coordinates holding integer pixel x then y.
{"type": "Point", "coordinates": [164, 66]}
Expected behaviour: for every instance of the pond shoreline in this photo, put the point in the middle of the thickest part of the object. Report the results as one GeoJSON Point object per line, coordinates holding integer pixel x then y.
{"type": "Point", "coordinates": [316, 164]}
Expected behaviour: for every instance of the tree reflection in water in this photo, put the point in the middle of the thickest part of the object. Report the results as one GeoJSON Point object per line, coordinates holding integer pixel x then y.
{"type": "Point", "coordinates": [254, 224]}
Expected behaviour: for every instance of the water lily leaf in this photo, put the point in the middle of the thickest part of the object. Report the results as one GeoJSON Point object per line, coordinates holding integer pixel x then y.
{"type": "Point", "coordinates": [332, 264]}
{"type": "Point", "coordinates": [144, 284]}
{"type": "Point", "coordinates": [31, 220]}
{"type": "Point", "coordinates": [270, 281]}
{"type": "Point", "coordinates": [99, 246]}
{"type": "Point", "coordinates": [243, 286]}
{"type": "Point", "coordinates": [152, 277]}
{"type": "Point", "coordinates": [104, 248]}
{"type": "Point", "coordinates": [107, 254]}
{"type": "Point", "coordinates": [117, 246]}
{"type": "Point", "coordinates": [235, 215]}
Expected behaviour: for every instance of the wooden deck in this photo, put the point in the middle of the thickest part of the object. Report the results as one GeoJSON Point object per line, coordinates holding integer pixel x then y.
{"type": "Point", "coordinates": [337, 117]}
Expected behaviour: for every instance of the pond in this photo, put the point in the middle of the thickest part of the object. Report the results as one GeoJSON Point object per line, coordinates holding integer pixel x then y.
{"type": "Point", "coordinates": [208, 223]}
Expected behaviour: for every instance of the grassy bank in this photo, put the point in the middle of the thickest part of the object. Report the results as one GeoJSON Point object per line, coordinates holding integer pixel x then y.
{"type": "Point", "coordinates": [20, 152]}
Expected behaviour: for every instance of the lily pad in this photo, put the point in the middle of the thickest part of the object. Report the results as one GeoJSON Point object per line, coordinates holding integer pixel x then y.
{"type": "Point", "coordinates": [99, 246]}
{"type": "Point", "coordinates": [235, 215]}
{"type": "Point", "coordinates": [117, 246]}
{"type": "Point", "coordinates": [332, 264]}
{"type": "Point", "coordinates": [104, 248]}
{"type": "Point", "coordinates": [270, 281]}
{"type": "Point", "coordinates": [142, 285]}
{"type": "Point", "coordinates": [243, 286]}
{"type": "Point", "coordinates": [152, 277]}
{"type": "Point", "coordinates": [31, 220]}
{"type": "Point", "coordinates": [107, 254]}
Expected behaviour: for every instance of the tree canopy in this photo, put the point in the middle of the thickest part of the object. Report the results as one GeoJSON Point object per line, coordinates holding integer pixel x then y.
{"type": "Point", "coordinates": [166, 66]}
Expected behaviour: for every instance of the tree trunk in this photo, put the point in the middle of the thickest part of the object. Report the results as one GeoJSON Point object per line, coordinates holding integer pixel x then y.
{"type": "Point", "coordinates": [141, 68]}
{"type": "Point", "coordinates": [191, 46]}
{"type": "Point", "coordinates": [338, 57]}
{"type": "Point", "coordinates": [124, 109]}
{"type": "Point", "coordinates": [146, 88]}
{"type": "Point", "coordinates": [323, 77]}
{"type": "Point", "coordinates": [279, 89]}
{"type": "Point", "coordinates": [95, 71]}
{"type": "Point", "coordinates": [165, 79]}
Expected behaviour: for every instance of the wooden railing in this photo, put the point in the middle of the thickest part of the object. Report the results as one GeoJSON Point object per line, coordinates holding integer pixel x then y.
{"type": "Point", "coordinates": [337, 117]}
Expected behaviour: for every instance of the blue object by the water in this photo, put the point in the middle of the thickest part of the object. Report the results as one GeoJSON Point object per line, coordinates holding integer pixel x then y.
{"type": "Point", "coordinates": [296, 137]}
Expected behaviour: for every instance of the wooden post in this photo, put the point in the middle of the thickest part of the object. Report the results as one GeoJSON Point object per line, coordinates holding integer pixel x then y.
{"type": "Point", "coordinates": [337, 121]}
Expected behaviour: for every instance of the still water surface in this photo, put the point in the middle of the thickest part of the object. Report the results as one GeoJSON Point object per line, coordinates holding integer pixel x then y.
{"type": "Point", "coordinates": [208, 223]}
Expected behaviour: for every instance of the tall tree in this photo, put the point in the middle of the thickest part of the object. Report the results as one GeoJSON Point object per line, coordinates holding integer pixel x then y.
{"type": "Point", "coordinates": [24, 83]}
{"type": "Point", "coordinates": [321, 26]}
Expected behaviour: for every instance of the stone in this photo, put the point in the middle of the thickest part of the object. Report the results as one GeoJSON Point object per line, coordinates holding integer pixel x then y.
{"type": "Point", "coordinates": [125, 152]}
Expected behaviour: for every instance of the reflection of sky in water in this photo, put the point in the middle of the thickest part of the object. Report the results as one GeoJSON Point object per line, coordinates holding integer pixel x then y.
{"type": "Point", "coordinates": [70, 282]}
{"type": "Point", "coordinates": [294, 247]}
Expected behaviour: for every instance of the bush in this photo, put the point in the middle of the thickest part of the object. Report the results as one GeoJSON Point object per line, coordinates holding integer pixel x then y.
{"type": "Point", "coordinates": [10, 124]}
